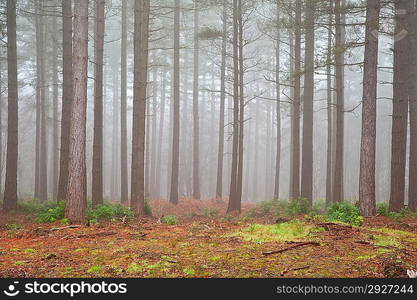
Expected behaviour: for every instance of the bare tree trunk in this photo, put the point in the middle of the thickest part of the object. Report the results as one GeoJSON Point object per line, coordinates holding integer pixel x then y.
{"type": "Point", "coordinates": [295, 187]}
{"type": "Point", "coordinates": [176, 115]}
{"type": "Point", "coordinates": [153, 178]}
{"type": "Point", "coordinates": [124, 188]}
{"type": "Point", "coordinates": [10, 189]}
{"type": "Point", "coordinates": [308, 106]}
{"type": "Point", "coordinates": [329, 109]}
{"type": "Point", "coordinates": [235, 148]}
{"type": "Point", "coordinates": [400, 106]}
{"type": "Point", "coordinates": [115, 183]}
{"type": "Point", "coordinates": [220, 151]}
{"type": "Point", "coordinates": [77, 202]}
{"type": "Point", "coordinates": [412, 186]}
{"type": "Point", "coordinates": [161, 134]}
{"type": "Point", "coordinates": [141, 51]}
{"type": "Point", "coordinates": [55, 105]}
{"type": "Point", "coordinates": [340, 104]}
{"type": "Point", "coordinates": [368, 143]}
{"type": "Point", "coordinates": [97, 175]}
{"type": "Point", "coordinates": [196, 120]}
{"type": "Point", "coordinates": [278, 105]}
{"type": "Point", "coordinates": [67, 95]}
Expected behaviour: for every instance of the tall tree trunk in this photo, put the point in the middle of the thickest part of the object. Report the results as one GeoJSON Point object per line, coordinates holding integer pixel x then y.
{"type": "Point", "coordinates": [67, 99]}
{"type": "Point", "coordinates": [77, 189]}
{"type": "Point", "coordinates": [196, 120]}
{"type": "Point", "coordinates": [278, 105]}
{"type": "Point", "coordinates": [55, 105]}
{"type": "Point", "coordinates": [141, 40]}
{"type": "Point", "coordinates": [115, 180]}
{"type": "Point", "coordinates": [153, 178]}
{"type": "Point", "coordinates": [340, 103]}
{"type": "Point", "coordinates": [235, 147]}
{"type": "Point", "coordinates": [124, 187]}
{"type": "Point", "coordinates": [97, 174]}
{"type": "Point", "coordinates": [161, 134]}
{"type": "Point", "coordinates": [368, 142]}
{"type": "Point", "coordinates": [329, 109]}
{"type": "Point", "coordinates": [400, 105]}
{"type": "Point", "coordinates": [220, 151]}
{"type": "Point", "coordinates": [307, 148]}
{"type": "Point", "coordinates": [412, 186]}
{"type": "Point", "coordinates": [295, 165]}
{"type": "Point", "coordinates": [10, 189]}
{"type": "Point", "coordinates": [176, 114]}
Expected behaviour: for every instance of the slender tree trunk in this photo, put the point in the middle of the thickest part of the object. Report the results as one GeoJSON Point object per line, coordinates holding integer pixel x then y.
{"type": "Point", "coordinates": [153, 178]}
{"type": "Point", "coordinates": [77, 189]}
{"type": "Point", "coordinates": [141, 38]}
{"type": "Point", "coordinates": [97, 175]}
{"type": "Point", "coordinates": [278, 106]}
{"type": "Point", "coordinates": [235, 147]}
{"type": "Point", "coordinates": [55, 105]}
{"type": "Point", "coordinates": [176, 114]}
{"type": "Point", "coordinates": [308, 118]}
{"type": "Point", "coordinates": [67, 99]}
{"type": "Point", "coordinates": [368, 143]}
{"type": "Point", "coordinates": [340, 106]}
{"type": "Point", "coordinates": [196, 120]}
{"type": "Point", "coordinates": [400, 106]}
{"type": "Point", "coordinates": [10, 189]}
{"type": "Point", "coordinates": [220, 151]}
{"type": "Point", "coordinates": [124, 187]}
{"type": "Point", "coordinates": [412, 186]}
{"type": "Point", "coordinates": [161, 134]}
{"type": "Point", "coordinates": [295, 187]}
{"type": "Point", "coordinates": [115, 183]}
{"type": "Point", "coordinates": [329, 109]}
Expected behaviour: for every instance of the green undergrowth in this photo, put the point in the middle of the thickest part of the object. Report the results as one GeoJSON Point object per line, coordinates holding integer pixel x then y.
{"type": "Point", "coordinates": [48, 212]}
{"type": "Point", "coordinates": [294, 230]}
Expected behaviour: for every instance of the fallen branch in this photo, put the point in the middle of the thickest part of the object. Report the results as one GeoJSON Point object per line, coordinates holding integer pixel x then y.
{"type": "Point", "coordinates": [292, 247]}
{"type": "Point", "coordinates": [66, 227]}
{"type": "Point", "coordinates": [89, 235]}
{"type": "Point", "coordinates": [295, 269]}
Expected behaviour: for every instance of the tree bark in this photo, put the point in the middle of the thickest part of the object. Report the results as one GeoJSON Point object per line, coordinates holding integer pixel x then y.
{"type": "Point", "coordinates": [196, 120]}
{"type": "Point", "coordinates": [295, 138]}
{"type": "Point", "coordinates": [67, 99]}
{"type": "Point", "coordinates": [173, 198]}
{"type": "Point", "coordinates": [124, 187]}
{"type": "Point", "coordinates": [10, 189]}
{"type": "Point", "coordinates": [340, 103]}
{"type": "Point", "coordinates": [141, 39]}
{"type": "Point", "coordinates": [400, 106]}
{"type": "Point", "coordinates": [77, 203]}
{"type": "Point", "coordinates": [97, 174]}
{"type": "Point", "coordinates": [308, 106]}
{"type": "Point", "coordinates": [55, 105]}
{"type": "Point", "coordinates": [367, 199]}
{"type": "Point", "coordinates": [278, 106]}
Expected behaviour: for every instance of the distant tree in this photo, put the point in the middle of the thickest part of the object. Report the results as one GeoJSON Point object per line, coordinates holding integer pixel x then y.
{"type": "Point", "coordinates": [97, 174]}
{"type": "Point", "coordinates": [173, 198]}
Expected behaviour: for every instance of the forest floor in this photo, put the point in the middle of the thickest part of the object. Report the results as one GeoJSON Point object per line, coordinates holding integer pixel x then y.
{"type": "Point", "coordinates": [205, 244]}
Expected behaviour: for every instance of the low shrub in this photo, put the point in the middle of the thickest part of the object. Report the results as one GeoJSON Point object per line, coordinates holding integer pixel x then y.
{"type": "Point", "coordinates": [50, 214]}
{"type": "Point", "coordinates": [298, 206]}
{"type": "Point", "coordinates": [170, 220]}
{"type": "Point", "coordinates": [109, 211]}
{"type": "Point", "coordinates": [345, 212]}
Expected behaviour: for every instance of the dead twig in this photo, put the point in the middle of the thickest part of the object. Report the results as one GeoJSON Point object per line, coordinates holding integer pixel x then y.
{"type": "Point", "coordinates": [66, 227]}
{"type": "Point", "coordinates": [295, 269]}
{"type": "Point", "coordinates": [292, 247]}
